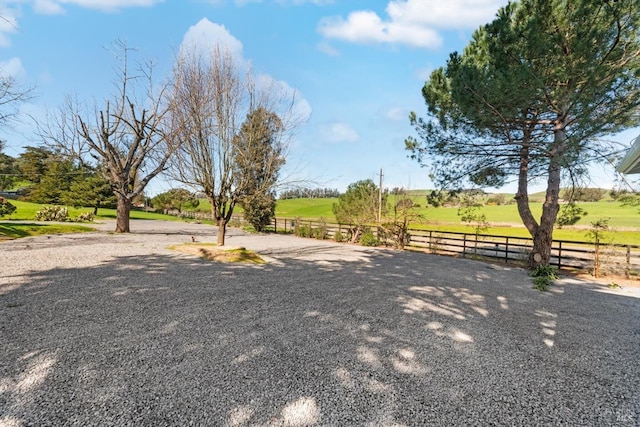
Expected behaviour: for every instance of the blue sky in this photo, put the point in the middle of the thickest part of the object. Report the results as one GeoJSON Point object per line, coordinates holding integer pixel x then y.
{"type": "Point", "coordinates": [359, 65]}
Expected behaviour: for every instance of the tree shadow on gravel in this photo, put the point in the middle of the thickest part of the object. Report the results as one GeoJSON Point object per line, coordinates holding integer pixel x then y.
{"type": "Point", "coordinates": [379, 337]}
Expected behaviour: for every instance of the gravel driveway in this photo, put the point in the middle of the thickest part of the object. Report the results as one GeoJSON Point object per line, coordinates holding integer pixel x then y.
{"type": "Point", "coordinates": [105, 329]}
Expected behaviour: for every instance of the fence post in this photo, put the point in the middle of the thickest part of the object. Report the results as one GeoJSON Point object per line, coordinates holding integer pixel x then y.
{"type": "Point", "coordinates": [430, 247]}
{"type": "Point", "coordinates": [559, 255]}
{"type": "Point", "coordinates": [475, 248]}
{"type": "Point", "coordinates": [596, 259]}
{"type": "Point", "coordinates": [464, 246]}
{"type": "Point", "coordinates": [506, 251]}
{"type": "Point", "coordinates": [275, 225]}
{"type": "Point", "coordinates": [627, 268]}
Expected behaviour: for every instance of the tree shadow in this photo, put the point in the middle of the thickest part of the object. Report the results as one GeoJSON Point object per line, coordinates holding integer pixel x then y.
{"type": "Point", "coordinates": [364, 337]}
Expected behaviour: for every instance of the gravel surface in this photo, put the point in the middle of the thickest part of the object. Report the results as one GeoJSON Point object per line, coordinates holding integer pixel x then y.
{"type": "Point", "coordinates": [106, 329]}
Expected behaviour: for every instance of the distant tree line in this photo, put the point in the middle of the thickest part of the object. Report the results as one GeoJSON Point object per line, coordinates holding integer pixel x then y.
{"type": "Point", "coordinates": [175, 199]}
{"type": "Point", "coordinates": [578, 194]}
{"type": "Point", "coordinates": [310, 193]}
{"type": "Point", "coordinates": [41, 175]}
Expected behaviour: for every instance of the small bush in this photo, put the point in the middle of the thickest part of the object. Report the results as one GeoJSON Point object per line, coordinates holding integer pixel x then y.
{"type": "Point", "coordinates": [321, 232]}
{"type": "Point", "coordinates": [52, 213]}
{"type": "Point", "coordinates": [369, 239]}
{"type": "Point", "coordinates": [86, 217]}
{"type": "Point", "coordinates": [6, 208]}
{"type": "Point", "coordinates": [544, 276]}
{"type": "Point", "coordinates": [545, 271]}
{"type": "Point", "coordinates": [303, 231]}
{"type": "Point", "coordinates": [338, 236]}
{"type": "Point", "coordinates": [542, 283]}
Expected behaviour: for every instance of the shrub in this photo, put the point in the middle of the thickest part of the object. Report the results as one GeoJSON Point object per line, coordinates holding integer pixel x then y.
{"type": "Point", "coordinates": [338, 236]}
{"type": "Point", "coordinates": [542, 283]}
{"type": "Point", "coordinates": [545, 271]}
{"type": "Point", "coordinates": [321, 231]}
{"type": "Point", "coordinates": [52, 213]}
{"type": "Point", "coordinates": [86, 217]}
{"type": "Point", "coordinates": [369, 239]}
{"type": "Point", "coordinates": [497, 199]}
{"type": "Point", "coordinates": [544, 276]}
{"type": "Point", "coordinates": [303, 231]}
{"type": "Point", "coordinates": [6, 208]}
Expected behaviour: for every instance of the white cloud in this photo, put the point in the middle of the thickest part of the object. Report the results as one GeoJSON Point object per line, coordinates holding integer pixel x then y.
{"type": "Point", "coordinates": [8, 25]}
{"type": "Point", "coordinates": [47, 7]}
{"type": "Point", "coordinates": [327, 49]}
{"type": "Point", "coordinates": [281, 2]}
{"type": "Point", "coordinates": [206, 35]}
{"type": "Point", "coordinates": [12, 68]}
{"type": "Point", "coordinates": [56, 6]}
{"type": "Point", "coordinates": [397, 114]}
{"type": "Point", "coordinates": [367, 27]}
{"type": "Point", "coordinates": [338, 132]}
{"type": "Point", "coordinates": [316, 2]}
{"type": "Point", "coordinates": [444, 14]}
{"type": "Point", "coordinates": [410, 22]}
{"type": "Point", "coordinates": [282, 97]}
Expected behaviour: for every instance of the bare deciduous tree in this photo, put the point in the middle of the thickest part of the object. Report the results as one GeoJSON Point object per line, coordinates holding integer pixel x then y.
{"type": "Point", "coordinates": [126, 137]}
{"type": "Point", "coordinates": [12, 95]}
{"type": "Point", "coordinates": [213, 94]}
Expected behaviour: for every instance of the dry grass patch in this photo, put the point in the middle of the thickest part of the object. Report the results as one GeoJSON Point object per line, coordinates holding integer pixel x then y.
{"type": "Point", "coordinates": [213, 252]}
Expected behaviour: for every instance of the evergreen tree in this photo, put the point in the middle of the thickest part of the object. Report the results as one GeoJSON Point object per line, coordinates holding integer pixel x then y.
{"type": "Point", "coordinates": [358, 207]}
{"type": "Point", "coordinates": [89, 190]}
{"type": "Point", "coordinates": [258, 157]}
{"type": "Point", "coordinates": [530, 97]}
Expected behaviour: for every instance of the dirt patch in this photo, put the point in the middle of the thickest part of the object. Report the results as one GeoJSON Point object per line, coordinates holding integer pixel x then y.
{"type": "Point", "coordinates": [213, 252]}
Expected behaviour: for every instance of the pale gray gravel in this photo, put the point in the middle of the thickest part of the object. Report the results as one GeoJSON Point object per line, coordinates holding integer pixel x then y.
{"type": "Point", "coordinates": [104, 329]}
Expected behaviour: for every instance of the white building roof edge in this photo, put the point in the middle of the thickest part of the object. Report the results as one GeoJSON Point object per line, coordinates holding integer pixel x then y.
{"type": "Point", "coordinates": [630, 164]}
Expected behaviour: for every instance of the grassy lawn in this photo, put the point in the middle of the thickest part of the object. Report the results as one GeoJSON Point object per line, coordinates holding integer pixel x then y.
{"type": "Point", "coordinates": [10, 230]}
{"type": "Point", "coordinates": [27, 212]}
{"type": "Point", "coordinates": [137, 214]}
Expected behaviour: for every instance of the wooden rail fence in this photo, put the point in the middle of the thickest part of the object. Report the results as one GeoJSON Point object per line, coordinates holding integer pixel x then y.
{"type": "Point", "coordinates": [596, 258]}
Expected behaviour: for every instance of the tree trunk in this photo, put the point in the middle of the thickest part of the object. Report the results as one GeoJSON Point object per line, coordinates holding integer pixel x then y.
{"type": "Point", "coordinates": [543, 238]}
{"type": "Point", "coordinates": [355, 234]}
{"type": "Point", "coordinates": [522, 196]}
{"type": "Point", "coordinates": [222, 229]}
{"type": "Point", "coordinates": [95, 210]}
{"type": "Point", "coordinates": [122, 214]}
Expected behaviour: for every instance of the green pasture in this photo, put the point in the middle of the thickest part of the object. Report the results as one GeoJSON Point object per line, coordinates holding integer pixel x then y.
{"type": "Point", "coordinates": [623, 220]}
{"type": "Point", "coordinates": [619, 216]}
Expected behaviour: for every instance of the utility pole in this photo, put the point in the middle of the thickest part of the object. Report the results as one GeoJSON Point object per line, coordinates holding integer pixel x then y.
{"type": "Point", "coordinates": [380, 198]}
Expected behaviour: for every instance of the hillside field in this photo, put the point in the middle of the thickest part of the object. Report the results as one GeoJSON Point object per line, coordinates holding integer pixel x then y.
{"type": "Point", "coordinates": [505, 220]}
{"type": "Point", "coordinates": [619, 216]}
